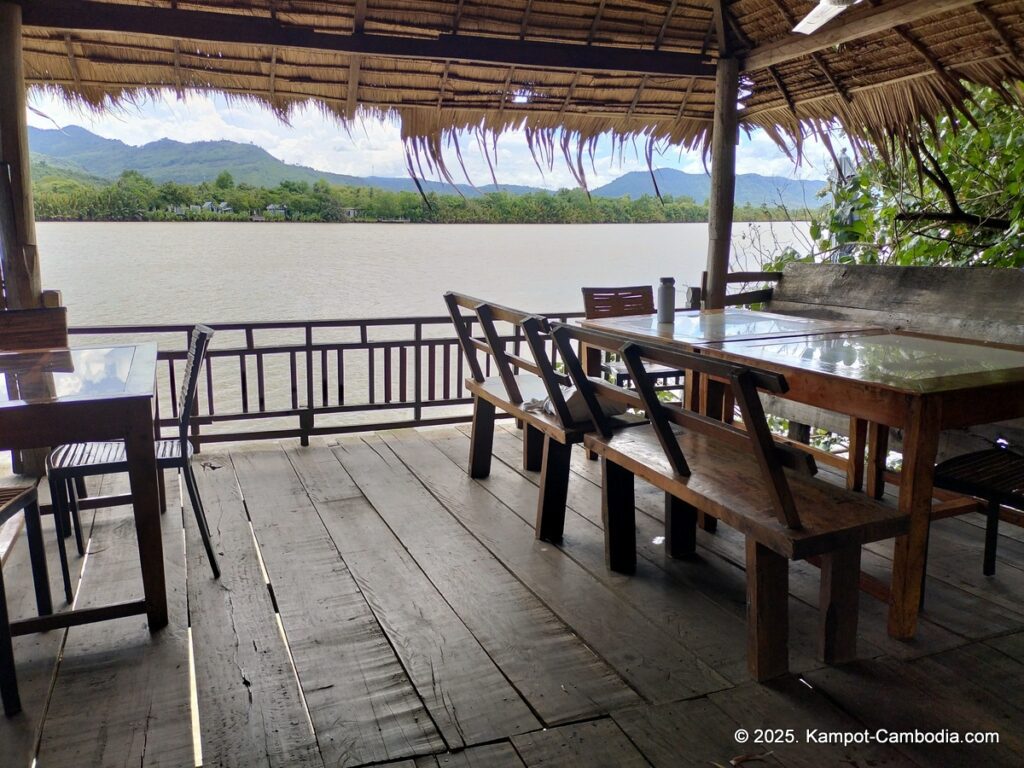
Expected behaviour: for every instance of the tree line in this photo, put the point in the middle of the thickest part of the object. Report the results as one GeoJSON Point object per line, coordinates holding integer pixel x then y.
{"type": "Point", "coordinates": [135, 197]}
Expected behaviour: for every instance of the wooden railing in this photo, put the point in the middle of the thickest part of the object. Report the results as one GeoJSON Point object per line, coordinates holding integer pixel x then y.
{"type": "Point", "coordinates": [273, 380]}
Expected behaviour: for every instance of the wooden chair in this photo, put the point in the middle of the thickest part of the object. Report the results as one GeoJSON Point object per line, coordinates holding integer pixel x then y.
{"type": "Point", "coordinates": [547, 438]}
{"type": "Point", "coordinates": [14, 500]}
{"type": "Point", "coordinates": [621, 302]}
{"type": "Point", "coordinates": [995, 475]}
{"type": "Point", "coordinates": [763, 490]}
{"type": "Point", "coordinates": [78, 460]}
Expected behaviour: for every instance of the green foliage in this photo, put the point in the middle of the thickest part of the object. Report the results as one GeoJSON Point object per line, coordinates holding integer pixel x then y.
{"type": "Point", "coordinates": [135, 197]}
{"type": "Point", "coordinates": [955, 200]}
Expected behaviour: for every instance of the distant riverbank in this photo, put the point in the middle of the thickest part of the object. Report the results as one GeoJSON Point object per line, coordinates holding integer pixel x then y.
{"type": "Point", "coordinates": [62, 195]}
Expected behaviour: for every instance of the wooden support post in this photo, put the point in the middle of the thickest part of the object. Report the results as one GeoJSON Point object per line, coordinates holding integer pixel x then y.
{"type": "Point", "coordinates": [855, 460]}
{"type": "Point", "coordinates": [767, 612]}
{"type": "Point", "coordinates": [20, 262]}
{"type": "Point", "coordinates": [723, 180]}
{"type": "Point", "coordinates": [878, 452]}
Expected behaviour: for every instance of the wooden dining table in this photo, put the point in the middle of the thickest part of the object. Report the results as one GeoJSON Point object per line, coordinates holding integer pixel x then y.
{"type": "Point", "coordinates": [54, 396]}
{"type": "Point", "coordinates": [920, 384]}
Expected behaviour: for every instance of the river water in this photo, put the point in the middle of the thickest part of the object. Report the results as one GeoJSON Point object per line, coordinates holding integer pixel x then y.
{"type": "Point", "coordinates": [149, 273]}
{"type": "Point", "coordinates": [183, 273]}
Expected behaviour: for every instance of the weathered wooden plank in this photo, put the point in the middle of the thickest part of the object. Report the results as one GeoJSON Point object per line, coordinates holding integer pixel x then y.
{"type": "Point", "coordinates": [363, 707]}
{"type": "Point", "coordinates": [657, 665]}
{"type": "Point", "coordinates": [597, 744]}
{"type": "Point", "coordinates": [122, 695]}
{"type": "Point", "coordinates": [250, 706]}
{"type": "Point", "coordinates": [322, 476]}
{"type": "Point", "coordinates": [687, 734]}
{"type": "Point", "coordinates": [467, 695]}
{"type": "Point", "coordinates": [558, 675]}
{"type": "Point", "coordinates": [501, 755]}
{"type": "Point", "coordinates": [922, 696]}
{"type": "Point", "coordinates": [789, 704]}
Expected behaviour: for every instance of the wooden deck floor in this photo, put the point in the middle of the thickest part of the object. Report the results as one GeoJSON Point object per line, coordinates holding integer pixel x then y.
{"type": "Point", "coordinates": [379, 607]}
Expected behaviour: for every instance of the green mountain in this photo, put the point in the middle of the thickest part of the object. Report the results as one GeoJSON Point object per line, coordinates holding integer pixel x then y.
{"type": "Point", "coordinates": [751, 188]}
{"type": "Point", "coordinates": [84, 156]}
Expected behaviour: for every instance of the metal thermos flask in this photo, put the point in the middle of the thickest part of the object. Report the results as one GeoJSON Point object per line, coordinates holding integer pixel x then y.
{"type": "Point", "coordinates": [667, 300]}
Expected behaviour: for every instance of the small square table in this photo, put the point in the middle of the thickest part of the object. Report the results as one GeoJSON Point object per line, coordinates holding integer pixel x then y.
{"type": "Point", "coordinates": [53, 396]}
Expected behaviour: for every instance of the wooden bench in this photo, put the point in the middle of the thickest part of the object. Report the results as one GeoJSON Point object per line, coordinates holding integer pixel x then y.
{"type": "Point", "coordinates": [740, 476]}
{"type": "Point", "coordinates": [547, 438]}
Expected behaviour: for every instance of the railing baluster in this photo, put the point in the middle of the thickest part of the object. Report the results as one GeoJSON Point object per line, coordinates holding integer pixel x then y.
{"type": "Point", "coordinates": [401, 374]}
{"type": "Point", "coordinates": [209, 385]}
{"type": "Point", "coordinates": [243, 376]}
{"type": "Point", "coordinates": [261, 387]}
{"type": "Point", "coordinates": [293, 366]}
{"type": "Point", "coordinates": [446, 372]}
{"type": "Point", "coordinates": [370, 376]}
{"type": "Point", "coordinates": [341, 377]}
{"type": "Point", "coordinates": [387, 373]}
{"type": "Point", "coordinates": [431, 373]}
{"type": "Point", "coordinates": [417, 373]}
{"type": "Point", "coordinates": [323, 377]}
{"type": "Point", "coordinates": [173, 387]}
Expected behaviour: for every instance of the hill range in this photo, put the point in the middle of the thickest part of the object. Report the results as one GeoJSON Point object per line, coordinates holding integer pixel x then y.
{"type": "Point", "coordinates": [77, 152]}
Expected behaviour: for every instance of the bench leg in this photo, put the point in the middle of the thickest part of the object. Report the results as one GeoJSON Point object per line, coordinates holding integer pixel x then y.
{"type": "Point", "coordinates": [618, 511]}
{"type": "Point", "coordinates": [37, 555]}
{"type": "Point", "coordinates": [481, 443]}
{"type": "Point", "coordinates": [991, 538]}
{"type": "Point", "coordinates": [554, 487]}
{"type": "Point", "coordinates": [8, 676]}
{"type": "Point", "coordinates": [680, 527]}
{"type": "Point", "coordinates": [838, 605]}
{"type": "Point", "coordinates": [767, 612]}
{"type": "Point", "coordinates": [533, 449]}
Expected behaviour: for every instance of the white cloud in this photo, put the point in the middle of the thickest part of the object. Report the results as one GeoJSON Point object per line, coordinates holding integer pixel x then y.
{"type": "Point", "coordinates": [375, 148]}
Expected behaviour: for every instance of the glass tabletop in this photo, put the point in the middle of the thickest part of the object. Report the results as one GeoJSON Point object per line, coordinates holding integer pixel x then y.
{"type": "Point", "coordinates": [46, 375]}
{"type": "Point", "coordinates": [695, 327]}
{"type": "Point", "coordinates": [899, 361]}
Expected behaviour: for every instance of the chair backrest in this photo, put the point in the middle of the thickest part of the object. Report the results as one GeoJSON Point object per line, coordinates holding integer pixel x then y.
{"type": "Point", "coordinates": [618, 302]}
{"type": "Point", "coordinates": [199, 342]}
{"type": "Point", "coordinates": [758, 295]}
{"type": "Point", "coordinates": [34, 328]}
{"type": "Point", "coordinates": [745, 381]}
{"type": "Point", "coordinates": [535, 332]}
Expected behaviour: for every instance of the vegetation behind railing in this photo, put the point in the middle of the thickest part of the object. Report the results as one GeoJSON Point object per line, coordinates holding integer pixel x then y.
{"type": "Point", "coordinates": [273, 380]}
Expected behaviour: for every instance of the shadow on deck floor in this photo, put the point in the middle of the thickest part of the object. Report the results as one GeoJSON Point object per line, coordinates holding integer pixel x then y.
{"type": "Point", "coordinates": [378, 606]}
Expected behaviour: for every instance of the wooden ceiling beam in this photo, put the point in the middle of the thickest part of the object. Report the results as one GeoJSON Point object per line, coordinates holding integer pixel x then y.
{"type": "Point", "coordinates": [595, 22]}
{"type": "Point", "coordinates": [997, 27]}
{"type": "Point", "coordinates": [88, 16]}
{"type": "Point", "coordinates": [851, 25]}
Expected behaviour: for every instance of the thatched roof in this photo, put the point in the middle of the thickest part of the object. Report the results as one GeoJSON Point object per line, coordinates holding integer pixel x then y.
{"type": "Point", "coordinates": [565, 71]}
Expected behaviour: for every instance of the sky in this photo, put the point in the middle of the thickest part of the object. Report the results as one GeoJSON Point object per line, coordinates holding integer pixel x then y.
{"type": "Point", "coordinates": [374, 147]}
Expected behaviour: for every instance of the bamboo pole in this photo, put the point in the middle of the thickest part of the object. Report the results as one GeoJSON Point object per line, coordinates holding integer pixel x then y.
{"type": "Point", "coordinates": [21, 262]}
{"type": "Point", "coordinates": [723, 179]}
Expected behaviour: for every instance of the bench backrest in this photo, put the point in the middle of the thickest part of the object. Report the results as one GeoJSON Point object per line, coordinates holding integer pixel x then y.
{"type": "Point", "coordinates": [745, 382]}
{"type": "Point", "coordinates": [536, 333]}
{"type": "Point", "coordinates": [978, 303]}
{"type": "Point", "coordinates": [618, 302]}
{"type": "Point", "coordinates": [34, 328]}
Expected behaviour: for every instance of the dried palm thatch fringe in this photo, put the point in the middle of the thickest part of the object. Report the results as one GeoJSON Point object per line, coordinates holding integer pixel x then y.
{"type": "Point", "coordinates": [882, 90]}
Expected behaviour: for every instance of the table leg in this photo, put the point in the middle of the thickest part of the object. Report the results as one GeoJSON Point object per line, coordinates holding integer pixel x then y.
{"type": "Point", "coordinates": [855, 463]}
{"type": "Point", "coordinates": [878, 451]}
{"type": "Point", "coordinates": [920, 445]}
{"type": "Point", "coordinates": [142, 471]}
